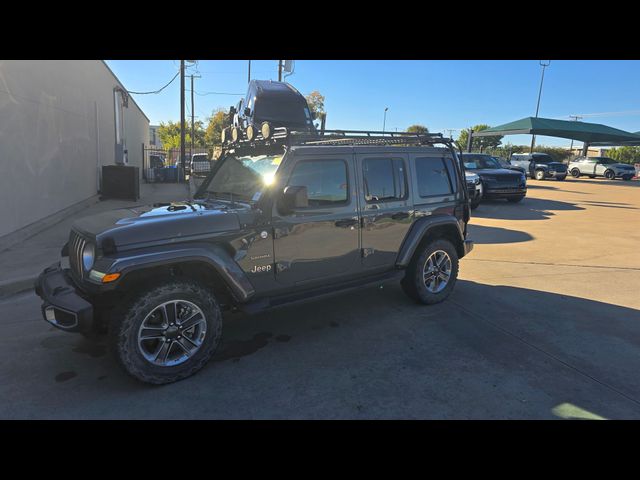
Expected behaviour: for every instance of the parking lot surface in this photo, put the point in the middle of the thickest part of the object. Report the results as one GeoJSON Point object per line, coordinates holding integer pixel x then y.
{"type": "Point", "coordinates": [544, 323]}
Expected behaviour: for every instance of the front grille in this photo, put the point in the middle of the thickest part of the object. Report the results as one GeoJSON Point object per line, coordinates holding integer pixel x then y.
{"type": "Point", "coordinates": [76, 245]}
{"type": "Point", "coordinates": [507, 178]}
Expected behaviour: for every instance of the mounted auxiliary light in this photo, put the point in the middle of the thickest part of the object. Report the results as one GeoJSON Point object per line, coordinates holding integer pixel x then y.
{"type": "Point", "coordinates": [251, 132]}
{"type": "Point", "coordinates": [225, 135]}
{"type": "Point", "coordinates": [235, 134]}
{"type": "Point", "coordinates": [265, 129]}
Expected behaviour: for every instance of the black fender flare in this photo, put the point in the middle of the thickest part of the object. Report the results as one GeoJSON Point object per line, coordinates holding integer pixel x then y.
{"type": "Point", "coordinates": [422, 228]}
{"type": "Point", "coordinates": [213, 256]}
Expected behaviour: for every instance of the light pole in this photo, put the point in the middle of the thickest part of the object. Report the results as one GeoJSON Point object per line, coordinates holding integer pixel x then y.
{"type": "Point", "coordinates": [575, 119]}
{"type": "Point", "coordinates": [544, 65]}
{"type": "Point", "coordinates": [384, 121]}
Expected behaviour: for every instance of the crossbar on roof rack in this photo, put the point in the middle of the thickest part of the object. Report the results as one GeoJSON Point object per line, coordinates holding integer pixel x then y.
{"type": "Point", "coordinates": [282, 136]}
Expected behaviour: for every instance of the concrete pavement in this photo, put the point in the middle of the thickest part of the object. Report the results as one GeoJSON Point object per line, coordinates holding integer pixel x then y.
{"type": "Point", "coordinates": [544, 323]}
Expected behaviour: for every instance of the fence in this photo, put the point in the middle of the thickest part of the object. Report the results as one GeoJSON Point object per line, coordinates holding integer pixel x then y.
{"type": "Point", "coordinates": [165, 165]}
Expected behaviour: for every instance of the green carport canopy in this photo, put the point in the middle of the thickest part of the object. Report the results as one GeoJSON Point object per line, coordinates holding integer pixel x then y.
{"type": "Point", "coordinates": [589, 133]}
{"type": "Point", "coordinates": [633, 143]}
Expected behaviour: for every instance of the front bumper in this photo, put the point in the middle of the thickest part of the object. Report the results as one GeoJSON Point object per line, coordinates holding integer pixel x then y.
{"type": "Point", "coordinates": [504, 192]}
{"type": "Point", "coordinates": [555, 174]}
{"type": "Point", "coordinates": [62, 305]}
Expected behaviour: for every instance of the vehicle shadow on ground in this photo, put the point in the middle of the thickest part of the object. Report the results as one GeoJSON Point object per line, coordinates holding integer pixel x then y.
{"type": "Point", "coordinates": [481, 234]}
{"type": "Point", "coordinates": [528, 209]}
{"type": "Point", "coordinates": [531, 186]}
{"type": "Point", "coordinates": [307, 347]}
{"type": "Point", "coordinates": [604, 181]}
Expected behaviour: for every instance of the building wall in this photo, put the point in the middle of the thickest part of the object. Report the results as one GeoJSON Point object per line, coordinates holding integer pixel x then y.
{"type": "Point", "coordinates": [57, 128]}
{"type": "Point", "coordinates": [154, 129]}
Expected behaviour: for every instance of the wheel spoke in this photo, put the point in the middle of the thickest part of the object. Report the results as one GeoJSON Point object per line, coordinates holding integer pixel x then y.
{"type": "Point", "coordinates": [169, 310]}
{"type": "Point", "coordinates": [153, 336]}
{"type": "Point", "coordinates": [187, 349]}
{"type": "Point", "coordinates": [192, 320]}
{"type": "Point", "coordinates": [184, 337]}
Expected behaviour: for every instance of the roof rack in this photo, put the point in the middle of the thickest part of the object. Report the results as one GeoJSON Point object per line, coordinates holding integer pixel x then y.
{"type": "Point", "coordinates": [281, 136]}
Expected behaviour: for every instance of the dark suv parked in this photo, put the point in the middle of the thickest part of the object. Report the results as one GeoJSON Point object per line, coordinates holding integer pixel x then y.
{"type": "Point", "coordinates": [497, 182]}
{"type": "Point", "coordinates": [271, 224]}
{"type": "Point", "coordinates": [540, 165]}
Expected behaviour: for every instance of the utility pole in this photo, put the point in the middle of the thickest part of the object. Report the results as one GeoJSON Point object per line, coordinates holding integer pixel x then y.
{"type": "Point", "coordinates": [249, 76]}
{"type": "Point", "coordinates": [543, 65]}
{"type": "Point", "coordinates": [575, 119]}
{"type": "Point", "coordinates": [192, 113]}
{"type": "Point", "coordinates": [279, 70]}
{"type": "Point", "coordinates": [182, 149]}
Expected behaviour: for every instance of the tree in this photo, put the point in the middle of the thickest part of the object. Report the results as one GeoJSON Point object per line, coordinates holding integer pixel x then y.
{"type": "Point", "coordinates": [417, 129]}
{"type": "Point", "coordinates": [478, 143]}
{"type": "Point", "coordinates": [169, 134]}
{"type": "Point", "coordinates": [217, 121]}
{"type": "Point", "coordinates": [624, 154]}
{"type": "Point", "coordinates": [316, 103]}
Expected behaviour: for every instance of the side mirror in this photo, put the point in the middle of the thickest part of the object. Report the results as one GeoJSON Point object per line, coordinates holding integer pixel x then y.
{"type": "Point", "coordinates": [293, 197]}
{"type": "Point", "coordinates": [247, 111]}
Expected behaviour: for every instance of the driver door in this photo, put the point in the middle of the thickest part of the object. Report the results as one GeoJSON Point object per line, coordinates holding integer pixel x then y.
{"type": "Point", "coordinates": [322, 240]}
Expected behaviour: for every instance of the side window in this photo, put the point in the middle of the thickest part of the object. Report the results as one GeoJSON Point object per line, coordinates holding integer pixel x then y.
{"type": "Point", "coordinates": [326, 181]}
{"type": "Point", "coordinates": [453, 176]}
{"type": "Point", "coordinates": [384, 179]}
{"type": "Point", "coordinates": [432, 177]}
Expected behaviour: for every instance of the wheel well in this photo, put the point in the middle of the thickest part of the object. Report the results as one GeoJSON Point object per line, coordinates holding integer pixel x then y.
{"type": "Point", "coordinates": [199, 272]}
{"type": "Point", "coordinates": [447, 232]}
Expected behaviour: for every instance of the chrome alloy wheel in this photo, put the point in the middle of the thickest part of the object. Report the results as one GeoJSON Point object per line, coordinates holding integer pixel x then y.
{"type": "Point", "coordinates": [172, 333]}
{"type": "Point", "coordinates": [437, 271]}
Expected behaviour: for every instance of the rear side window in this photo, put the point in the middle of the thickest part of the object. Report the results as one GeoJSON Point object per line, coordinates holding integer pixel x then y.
{"type": "Point", "coordinates": [451, 170]}
{"type": "Point", "coordinates": [384, 179]}
{"type": "Point", "coordinates": [326, 181]}
{"type": "Point", "coordinates": [433, 177]}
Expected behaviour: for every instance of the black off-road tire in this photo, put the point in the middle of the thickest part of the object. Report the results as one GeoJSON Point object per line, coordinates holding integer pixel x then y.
{"type": "Point", "coordinates": [413, 282]}
{"type": "Point", "coordinates": [123, 332]}
{"type": "Point", "coordinates": [515, 199]}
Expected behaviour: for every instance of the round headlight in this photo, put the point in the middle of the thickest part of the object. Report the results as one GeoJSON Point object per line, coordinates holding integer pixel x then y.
{"type": "Point", "coordinates": [265, 129]}
{"type": "Point", "coordinates": [88, 256]}
{"type": "Point", "coordinates": [251, 132]}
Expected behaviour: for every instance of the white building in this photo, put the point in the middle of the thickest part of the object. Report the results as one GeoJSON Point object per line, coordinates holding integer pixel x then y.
{"type": "Point", "coordinates": [60, 122]}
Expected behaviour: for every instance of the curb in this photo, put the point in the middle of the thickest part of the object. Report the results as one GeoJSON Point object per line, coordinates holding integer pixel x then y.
{"type": "Point", "coordinates": [17, 285]}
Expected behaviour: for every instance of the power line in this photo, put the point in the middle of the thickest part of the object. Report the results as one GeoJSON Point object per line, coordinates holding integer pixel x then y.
{"type": "Point", "coordinates": [607, 114]}
{"type": "Point", "coordinates": [157, 91]}
{"type": "Point", "coordinates": [202, 94]}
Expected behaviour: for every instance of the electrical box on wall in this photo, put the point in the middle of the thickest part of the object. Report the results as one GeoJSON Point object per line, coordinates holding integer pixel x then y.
{"type": "Point", "coordinates": [119, 181]}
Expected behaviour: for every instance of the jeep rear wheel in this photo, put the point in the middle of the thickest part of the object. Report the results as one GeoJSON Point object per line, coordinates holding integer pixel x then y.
{"type": "Point", "coordinates": [167, 333]}
{"type": "Point", "coordinates": [432, 273]}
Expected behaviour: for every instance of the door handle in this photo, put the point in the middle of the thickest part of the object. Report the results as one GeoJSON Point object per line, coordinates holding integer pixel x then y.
{"type": "Point", "coordinates": [400, 215]}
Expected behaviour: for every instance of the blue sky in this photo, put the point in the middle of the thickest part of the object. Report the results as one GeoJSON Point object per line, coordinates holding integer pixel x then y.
{"type": "Point", "coordinates": [439, 94]}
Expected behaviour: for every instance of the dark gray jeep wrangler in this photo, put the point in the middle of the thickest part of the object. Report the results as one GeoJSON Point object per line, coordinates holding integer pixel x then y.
{"type": "Point", "coordinates": [279, 220]}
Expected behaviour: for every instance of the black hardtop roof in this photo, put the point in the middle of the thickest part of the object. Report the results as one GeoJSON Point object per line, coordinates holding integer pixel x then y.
{"type": "Point", "coordinates": [269, 88]}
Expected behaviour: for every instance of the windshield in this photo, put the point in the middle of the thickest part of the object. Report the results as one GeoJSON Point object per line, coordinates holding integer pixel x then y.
{"type": "Point", "coordinates": [244, 177]}
{"type": "Point", "coordinates": [542, 159]}
{"type": "Point", "coordinates": [277, 110]}
{"type": "Point", "coordinates": [478, 162]}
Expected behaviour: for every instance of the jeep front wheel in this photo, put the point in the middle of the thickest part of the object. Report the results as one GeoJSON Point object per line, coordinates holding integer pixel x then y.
{"type": "Point", "coordinates": [167, 333]}
{"type": "Point", "coordinates": [432, 273]}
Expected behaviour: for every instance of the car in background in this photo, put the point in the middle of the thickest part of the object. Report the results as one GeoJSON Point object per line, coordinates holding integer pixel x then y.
{"type": "Point", "coordinates": [601, 167]}
{"type": "Point", "coordinates": [474, 188]}
{"type": "Point", "coordinates": [497, 182]}
{"type": "Point", "coordinates": [504, 163]}
{"type": "Point", "coordinates": [156, 160]}
{"type": "Point", "coordinates": [268, 105]}
{"type": "Point", "coordinates": [539, 165]}
{"type": "Point", "coordinates": [200, 165]}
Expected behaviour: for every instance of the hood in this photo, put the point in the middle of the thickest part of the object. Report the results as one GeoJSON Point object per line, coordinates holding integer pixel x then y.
{"type": "Point", "coordinates": [158, 223]}
{"type": "Point", "coordinates": [497, 172]}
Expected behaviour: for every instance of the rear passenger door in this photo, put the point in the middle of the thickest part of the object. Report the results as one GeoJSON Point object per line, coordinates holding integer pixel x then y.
{"type": "Point", "coordinates": [387, 208]}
